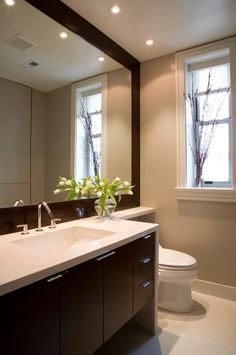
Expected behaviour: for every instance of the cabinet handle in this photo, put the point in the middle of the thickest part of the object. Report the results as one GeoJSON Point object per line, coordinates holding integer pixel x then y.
{"type": "Point", "coordinates": [147, 236]}
{"type": "Point", "coordinates": [105, 256]}
{"type": "Point", "coordinates": [145, 260]}
{"type": "Point", "coordinates": [145, 284]}
{"type": "Point", "coordinates": [53, 278]}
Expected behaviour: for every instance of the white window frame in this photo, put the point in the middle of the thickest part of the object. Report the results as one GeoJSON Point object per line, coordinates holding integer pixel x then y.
{"type": "Point", "coordinates": [203, 193]}
{"type": "Point", "coordinates": [83, 86]}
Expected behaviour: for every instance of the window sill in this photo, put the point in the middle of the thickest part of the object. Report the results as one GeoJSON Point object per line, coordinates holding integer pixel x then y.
{"type": "Point", "coordinates": [206, 194]}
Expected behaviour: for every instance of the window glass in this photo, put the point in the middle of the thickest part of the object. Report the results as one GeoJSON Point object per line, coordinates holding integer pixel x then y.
{"type": "Point", "coordinates": [94, 102]}
{"type": "Point", "coordinates": [215, 107]}
{"type": "Point", "coordinates": [219, 78]}
{"type": "Point", "coordinates": [210, 128]}
{"type": "Point", "coordinates": [216, 167]}
{"type": "Point", "coordinates": [96, 123]}
{"type": "Point", "coordinates": [88, 132]}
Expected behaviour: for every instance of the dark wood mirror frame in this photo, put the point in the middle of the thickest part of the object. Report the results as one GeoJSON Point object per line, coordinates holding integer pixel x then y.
{"type": "Point", "coordinates": [58, 11]}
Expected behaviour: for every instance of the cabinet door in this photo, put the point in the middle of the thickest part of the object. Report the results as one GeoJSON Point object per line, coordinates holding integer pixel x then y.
{"type": "Point", "coordinates": [29, 320]}
{"type": "Point", "coordinates": [81, 314]}
{"type": "Point", "coordinates": [117, 290]}
{"type": "Point", "coordinates": [143, 271]}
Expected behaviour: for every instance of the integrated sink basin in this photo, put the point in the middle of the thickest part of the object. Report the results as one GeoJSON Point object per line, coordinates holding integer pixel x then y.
{"type": "Point", "coordinates": [61, 240]}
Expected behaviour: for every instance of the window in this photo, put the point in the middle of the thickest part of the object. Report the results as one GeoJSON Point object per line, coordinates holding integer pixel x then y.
{"type": "Point", "coordinates": [88, 120]}
{"type": "Point", "coordinates": [208, 119]}
{"type": "Point", "coordinates": [213, 122]}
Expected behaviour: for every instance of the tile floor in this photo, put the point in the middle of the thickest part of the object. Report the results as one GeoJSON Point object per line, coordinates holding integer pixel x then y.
{"type": "Point", "coordinates": [210, 329]}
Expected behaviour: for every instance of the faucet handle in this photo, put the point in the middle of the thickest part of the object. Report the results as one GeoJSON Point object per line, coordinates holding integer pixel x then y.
{"type": "Point", "coordinates": [53, 222]}
{"type": "Point", "coordinates": [25, 228]}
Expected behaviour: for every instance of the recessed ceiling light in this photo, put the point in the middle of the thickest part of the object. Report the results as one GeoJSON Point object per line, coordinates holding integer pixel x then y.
{"type": "Point", "coordinates": [63, 35]}
{"type": "Point", "coordinates": [10, 2]}
{"type": "Point", "coordinates": [100, 59]}
{"type": "Point", "coordinates": [115, 9]}
{"type": "Point", "coordinates": [149, 42]}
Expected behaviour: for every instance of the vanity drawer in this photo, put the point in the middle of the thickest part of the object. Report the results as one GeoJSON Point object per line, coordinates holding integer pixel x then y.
{"type": "Point", "coordinates": [143, 269]}
{"type": "Point", "coordinates": [143, 294]}
{"type": "Point", "coordinates": [144, 247]}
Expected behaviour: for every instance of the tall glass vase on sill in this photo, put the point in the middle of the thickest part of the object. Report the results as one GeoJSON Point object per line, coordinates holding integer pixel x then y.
{"type": "Point", "coordinates": [198, 176]}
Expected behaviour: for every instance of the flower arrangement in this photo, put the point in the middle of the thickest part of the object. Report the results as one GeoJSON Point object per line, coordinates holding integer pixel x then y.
{"type": "Point", "coordinates": [95, 186]}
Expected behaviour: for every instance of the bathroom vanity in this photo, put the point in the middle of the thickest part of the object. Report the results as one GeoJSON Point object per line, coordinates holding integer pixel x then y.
{"type": "Point", "coordinates": [67, 291]}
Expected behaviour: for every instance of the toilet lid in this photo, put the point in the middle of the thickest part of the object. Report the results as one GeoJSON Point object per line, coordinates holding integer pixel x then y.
{"type": "Point", "coordinates": [173, 258]}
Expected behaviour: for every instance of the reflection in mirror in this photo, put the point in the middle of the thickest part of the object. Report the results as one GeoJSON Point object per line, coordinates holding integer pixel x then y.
{"type": "Point", "coordinates": [43, 82]}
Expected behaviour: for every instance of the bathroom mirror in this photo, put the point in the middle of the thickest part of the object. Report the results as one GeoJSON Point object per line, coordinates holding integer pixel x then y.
{"type": "Point", "coordinates": [38, 67]}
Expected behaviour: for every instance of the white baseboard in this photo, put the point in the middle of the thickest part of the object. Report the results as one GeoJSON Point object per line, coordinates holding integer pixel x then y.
{"type": "Point", "coordinates": [214, 289]}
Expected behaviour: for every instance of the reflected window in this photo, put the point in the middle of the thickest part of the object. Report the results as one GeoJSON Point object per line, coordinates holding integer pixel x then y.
{"type": "Point", "coordinates": [89, 116]}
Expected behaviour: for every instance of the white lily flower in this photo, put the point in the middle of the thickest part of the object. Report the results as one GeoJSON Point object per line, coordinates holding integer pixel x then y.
{"type": "Point", "coordinates": [126, 183]}
{"type": "Point", "coordinates": [116, 193]}
{"type": "Point", "coordinates": [56, 191]}
{"type": "Point", "coordinates": [117, 178]}
{"type": "Point", "coordinates": [68, 182]}
{"type": "Point", "coordinates": [99, 193]}
{"type": "Point", "coordinates": [102, 183]}
{"type": "Point", "coordinates": [77, 190]}
{"type": "Point", "coordinates": [89, 183]}
{"type": "Point", "coordinates": [83, 191]}
{"type": "Point", "coordinates": [130, 192]}
{"type": "Point", "coordinates": [61, 183]}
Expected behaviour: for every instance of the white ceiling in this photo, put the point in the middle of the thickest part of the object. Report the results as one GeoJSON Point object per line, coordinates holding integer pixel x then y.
{"type": "Point", "coordinates": [173, 24]}
{"type": "Point", "coordinates": [61, 62]}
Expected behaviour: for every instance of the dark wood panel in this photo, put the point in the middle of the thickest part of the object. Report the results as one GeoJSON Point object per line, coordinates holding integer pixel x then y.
{"type": "Point", "coordinates": [144, 247]}
{"type": "Point", "coordinates": [143, 294]}
{"type": "Point", "coordinates": [81, 309]}
{"type": "Point", "coordinates": [143, 271]}
{"type": "Point", "coordinates": [118, 290]}
{"type": "Point", "coordinates": [143, 259]}
{"type": "Point", "coordinates": [29, 320]}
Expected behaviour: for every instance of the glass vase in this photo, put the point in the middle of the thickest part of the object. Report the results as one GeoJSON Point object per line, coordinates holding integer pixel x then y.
{"type": "Point", "coordinates": [105, 207]}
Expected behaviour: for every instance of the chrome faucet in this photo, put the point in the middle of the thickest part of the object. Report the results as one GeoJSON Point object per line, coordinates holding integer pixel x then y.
{"type": "Point", "coordinates": [53, 220]}
{"type": "Point", "coordinates": [18, 202]}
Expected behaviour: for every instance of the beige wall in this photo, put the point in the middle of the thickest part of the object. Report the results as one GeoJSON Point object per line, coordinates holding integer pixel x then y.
{"type": "Point", "coordinates": [15, 121]}
{"type": "Point", "coordinates": [38, 146]}
{"type": "Point", "coordinates": [58, 133]}
{"type": "Point", "coordinates": [118, 131]}
{"type": "Point", "coordinates": [206, 230]}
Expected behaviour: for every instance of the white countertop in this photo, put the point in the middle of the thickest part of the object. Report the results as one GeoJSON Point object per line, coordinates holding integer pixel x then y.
{"type": "Point", "coordinates": [134, 212]}
{"type": "Point", "coordinates": [20, 266]}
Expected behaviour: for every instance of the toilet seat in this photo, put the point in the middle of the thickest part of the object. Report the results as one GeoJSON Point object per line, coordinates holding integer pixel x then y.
{"type": "Point", "coordinates": [176, 260]}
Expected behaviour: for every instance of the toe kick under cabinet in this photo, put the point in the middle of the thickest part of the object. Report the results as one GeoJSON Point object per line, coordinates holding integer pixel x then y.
{"type": "Point", "coordinates": [76, 311]}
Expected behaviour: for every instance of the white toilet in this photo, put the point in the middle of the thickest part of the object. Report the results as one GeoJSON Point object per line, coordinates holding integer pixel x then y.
{"type": "Point", "coordinates": [176, 273]}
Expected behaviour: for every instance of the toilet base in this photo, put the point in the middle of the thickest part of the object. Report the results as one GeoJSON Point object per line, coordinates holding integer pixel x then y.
{"type": "Point", "coordinates": [175, 297]}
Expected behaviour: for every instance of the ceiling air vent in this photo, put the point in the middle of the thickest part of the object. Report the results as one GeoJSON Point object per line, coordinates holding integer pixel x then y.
{"type": "Point", "coordinates": [30, 64]}
{"type": "Point", "coordinates": [20, 43]}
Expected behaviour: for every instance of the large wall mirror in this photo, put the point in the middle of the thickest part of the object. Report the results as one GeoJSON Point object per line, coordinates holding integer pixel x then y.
{"type": "Point", "coordinates": [43, 80]}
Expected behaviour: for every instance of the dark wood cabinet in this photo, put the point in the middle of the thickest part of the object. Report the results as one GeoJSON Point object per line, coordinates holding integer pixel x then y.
{"type": "Point", "coordinates": [29, 320]}
{"type": "Point", "coordinates": [118, 290]}
{"type": "Point", "coordinates": [81, 309]}
{"type": "Point", "coordinates": [143, 271]}
{"type": "Point", "coordinates": [74, 312]}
